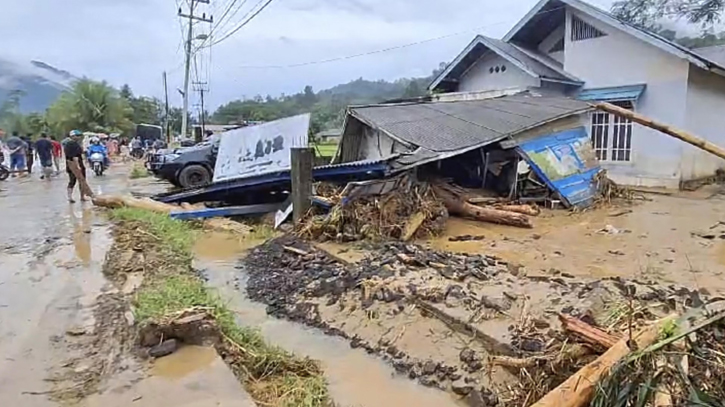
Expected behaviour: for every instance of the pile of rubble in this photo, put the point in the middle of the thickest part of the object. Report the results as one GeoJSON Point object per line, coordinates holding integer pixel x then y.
{"type": "Point", "coordinates": [469, 324]}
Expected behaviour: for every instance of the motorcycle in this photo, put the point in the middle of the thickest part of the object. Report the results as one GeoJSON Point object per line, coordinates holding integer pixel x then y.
{"type": "Point", "coordinates": [96, 160]}
{"type": "Point", "coordinates": [4, 171]}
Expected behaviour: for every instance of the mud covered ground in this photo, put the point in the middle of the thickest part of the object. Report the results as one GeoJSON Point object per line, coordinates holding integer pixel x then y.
{"type": "Point", "coordinates": [437, 317]}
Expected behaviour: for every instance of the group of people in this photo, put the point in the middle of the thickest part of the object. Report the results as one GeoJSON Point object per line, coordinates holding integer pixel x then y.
{"type": "Point", "coordinates": [22, 152]}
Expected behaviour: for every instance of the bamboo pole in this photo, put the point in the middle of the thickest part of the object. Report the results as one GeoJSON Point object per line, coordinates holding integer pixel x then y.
{"type": "Point", "coordinates": [664, 128]}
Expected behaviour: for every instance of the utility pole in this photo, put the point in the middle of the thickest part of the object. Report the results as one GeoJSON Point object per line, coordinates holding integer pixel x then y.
{"type": "Point", "coordinates": [187, 62]}
{"type": "Point", "coordinates": [201, 87]}
{"type": "Point", "coordinates": [167, 127]}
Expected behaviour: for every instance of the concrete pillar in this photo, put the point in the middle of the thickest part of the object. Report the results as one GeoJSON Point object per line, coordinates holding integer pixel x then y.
{"type": "Point", "coordinates": [302, 160]}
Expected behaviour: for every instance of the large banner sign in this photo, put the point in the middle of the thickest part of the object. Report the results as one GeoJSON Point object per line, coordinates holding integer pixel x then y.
{"type": "Point", "coordinates": [260, 149]}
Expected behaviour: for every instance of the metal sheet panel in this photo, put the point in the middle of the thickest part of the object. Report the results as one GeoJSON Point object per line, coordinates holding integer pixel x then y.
{"type": "Point", "coordinates": [632, 92]}
{"type": "Point", "coordinates": [566, 162]}
{"type": "Point", "coordinates": [260, 149]}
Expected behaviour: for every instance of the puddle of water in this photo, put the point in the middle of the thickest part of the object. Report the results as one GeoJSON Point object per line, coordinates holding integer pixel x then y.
{"type": "Point", "coordinates": [222, 247]}
{"type": "Point", "coordinates": [184, 361]}
{"type": "Point", "coordinates": [355, 378]}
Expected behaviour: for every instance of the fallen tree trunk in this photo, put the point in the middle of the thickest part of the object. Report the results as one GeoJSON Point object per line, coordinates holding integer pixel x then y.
{"type": "Point", "coordinates": [457, 205]}
{"type": "Point", "coordinates": [578, 389]}
{"type": "Point", "coordinates": [117, 201]}
{"type": "Point", "coordinates": [588, 333]}
{"type": "Point", "coordinates": [669, 130]}
{"type": "Point", "coordinates": [522, 209]}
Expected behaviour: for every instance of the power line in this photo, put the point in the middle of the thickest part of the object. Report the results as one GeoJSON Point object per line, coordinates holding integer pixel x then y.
{"type": "Point", "coordinates": [380, 51]}
{"type": "Point", "coordinates": [239, 27]}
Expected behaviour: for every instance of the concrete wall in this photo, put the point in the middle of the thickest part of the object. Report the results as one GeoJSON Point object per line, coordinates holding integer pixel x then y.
{"type": "Point", "coordinates": [705, 117]}
{"type": "Point", "coordinates": [479, 78]}
{"type": "Point", "coordinates": [621, 59]}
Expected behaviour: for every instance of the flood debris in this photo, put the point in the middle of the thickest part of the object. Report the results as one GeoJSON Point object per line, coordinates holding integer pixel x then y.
{"type": "Point", "coordinates": [416, 308]}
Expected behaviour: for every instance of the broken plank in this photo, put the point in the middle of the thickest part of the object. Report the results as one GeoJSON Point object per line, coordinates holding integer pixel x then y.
{"type": "Point", "coordinates": [588, 333]}
{"type": "Point", "coordinates": [413, 224]}
{"type": "Point", "coordinates": [491, 344]}
{"type": "Point", "coordinates": [295, 250]}
{"type": "Point", "coordinates": [223, 211]}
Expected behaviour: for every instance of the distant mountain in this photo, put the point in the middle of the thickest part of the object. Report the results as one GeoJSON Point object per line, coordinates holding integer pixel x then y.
{"type": "Point", "coordinates": [40, 82]}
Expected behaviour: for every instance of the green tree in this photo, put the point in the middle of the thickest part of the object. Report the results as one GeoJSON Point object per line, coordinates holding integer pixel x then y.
{"type": "Point", "coordinates": [90, 106]}
{"type": "Point", "coordinates": [11, 119]}
{"type": "Point", "coordinates": [648, 13]}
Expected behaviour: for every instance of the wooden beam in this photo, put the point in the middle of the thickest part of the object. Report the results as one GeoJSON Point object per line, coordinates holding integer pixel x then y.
{"type": "Point", "coordinates": [664, 128]}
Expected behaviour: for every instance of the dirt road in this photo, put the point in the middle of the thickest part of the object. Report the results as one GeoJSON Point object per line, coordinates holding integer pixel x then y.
{"type": "Point", "coordinates": [51, 254]}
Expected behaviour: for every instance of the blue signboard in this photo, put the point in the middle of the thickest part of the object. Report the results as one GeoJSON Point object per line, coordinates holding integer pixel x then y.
{"type": "Point", "coordinates": [566, 162]}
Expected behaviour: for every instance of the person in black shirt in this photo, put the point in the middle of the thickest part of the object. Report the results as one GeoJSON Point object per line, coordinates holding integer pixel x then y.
{"type": "Point", "coordinates": [74, 156]}
{"type": "Point", "coordinates": [29, 154]}
{"type": "Point", "coordinates": [44, 149]}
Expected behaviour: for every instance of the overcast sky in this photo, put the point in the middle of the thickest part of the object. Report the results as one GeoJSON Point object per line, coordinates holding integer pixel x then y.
{"type": "Point", "coordinates": [133, 41]}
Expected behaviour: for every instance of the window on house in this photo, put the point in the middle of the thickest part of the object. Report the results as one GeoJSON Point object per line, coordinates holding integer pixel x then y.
{"type": "Point", "coordinates": [612, 135]}
{"type": "Point", "coordinates": [581, 30]}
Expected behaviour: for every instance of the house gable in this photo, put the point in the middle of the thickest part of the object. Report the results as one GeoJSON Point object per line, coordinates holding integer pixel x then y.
{"type": "Point", "coordinates": [524, 60]}
{"type": "Point", "coordinates": [493, 72]}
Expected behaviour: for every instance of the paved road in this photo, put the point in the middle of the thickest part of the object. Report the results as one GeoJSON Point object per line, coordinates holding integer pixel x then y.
{"type": "Point", "coordinates": [51, 255]}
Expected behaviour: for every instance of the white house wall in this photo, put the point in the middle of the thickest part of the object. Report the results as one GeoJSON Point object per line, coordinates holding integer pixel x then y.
{"type": "Point", "coordinates": [621, 59]}
{"type": "Point", "coordinates": [479, 78]}
{"type": "Point", "coordinates": [705, 117]}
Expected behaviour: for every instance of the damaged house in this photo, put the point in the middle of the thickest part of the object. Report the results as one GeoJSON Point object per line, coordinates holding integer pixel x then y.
{"type": "Point", "coordinates": [570, 48]}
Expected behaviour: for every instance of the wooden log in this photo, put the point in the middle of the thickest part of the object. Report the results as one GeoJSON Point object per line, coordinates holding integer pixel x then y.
{"type": "Point", "coordinates": [588, 333]}
{"type": "Point", "coordinates": [664, 128]}
{"type": "Point", "coordinates": [82, 183]}
{"type": "Point", "coordinates": [458, 206]}
{"type": "Point", "coordinates": [523, 209]}
{"type": "Point", "coordinates": [578, 389]}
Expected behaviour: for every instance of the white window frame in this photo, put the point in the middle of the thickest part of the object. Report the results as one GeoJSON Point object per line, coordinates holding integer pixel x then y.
{"type": "Point", "coordinates": [611, 135]}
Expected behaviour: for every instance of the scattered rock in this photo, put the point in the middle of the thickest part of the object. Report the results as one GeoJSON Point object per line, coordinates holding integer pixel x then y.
{"type": "Point", "coordinates": [164, 349]}
{"type": "Point", "coordinates": [429, 367]}
{"type": "Point", "coordinates": [461, 388]}
{"type": "Point", "coordinates": [467, 355]}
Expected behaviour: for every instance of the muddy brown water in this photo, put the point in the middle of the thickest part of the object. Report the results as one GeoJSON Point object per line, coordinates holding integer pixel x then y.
{"type": "Point", "coordinates": [655, 241]}
{"type": "Point", "coordinates": [51, 255]}
{"type": "Point", "coordinates": [355, 378]}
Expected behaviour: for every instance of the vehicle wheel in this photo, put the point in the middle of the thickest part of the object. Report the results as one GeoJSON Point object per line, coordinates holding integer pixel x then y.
{"type": "Point", "coordinates": [194, 176]}
{"type": "Point", "coordinates": [4, 174]}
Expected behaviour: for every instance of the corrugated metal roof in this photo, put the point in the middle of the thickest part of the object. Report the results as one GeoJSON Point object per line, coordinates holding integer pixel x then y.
{"type": "Point", "coordinates": [449, 126]}
{"type": "Point", "coordinates": [632, 92]}
{"type": "Point", "coordinates": [715, 54]}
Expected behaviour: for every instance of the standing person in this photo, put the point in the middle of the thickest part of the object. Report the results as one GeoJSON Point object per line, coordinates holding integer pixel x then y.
{"type": "Point", "coordinates": [57, 154]}
{"type": "Point", "coordinates": [29, 152]}
{"type": "Point", "coordinates": [16, 147]}
{"type": "Point", "coordinates": [44, 148]}
{"type": "Point", "coordinates": [74, 155]}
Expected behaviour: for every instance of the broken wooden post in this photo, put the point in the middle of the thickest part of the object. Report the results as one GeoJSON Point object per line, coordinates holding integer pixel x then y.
{"type": "Point", "coordinates": [669, 130]}
{"type": "Point", "coordinates": [301, 172]}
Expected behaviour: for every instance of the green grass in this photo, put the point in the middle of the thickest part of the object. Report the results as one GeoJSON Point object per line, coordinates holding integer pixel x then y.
{"type": "Point", "coordinates": [272, 375]}
{"type": "Point", "coordinates": [176, 235]}
{"type": "Point", "coordinates": [325, 149]}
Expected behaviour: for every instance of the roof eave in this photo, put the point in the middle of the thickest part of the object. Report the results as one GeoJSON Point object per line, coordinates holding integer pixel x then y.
{"type": "Point", "coordinates": [453, 64]}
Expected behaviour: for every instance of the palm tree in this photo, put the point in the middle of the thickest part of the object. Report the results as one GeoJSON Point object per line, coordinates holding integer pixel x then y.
{"type": "Point", "coordinates": [90, 106]}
